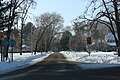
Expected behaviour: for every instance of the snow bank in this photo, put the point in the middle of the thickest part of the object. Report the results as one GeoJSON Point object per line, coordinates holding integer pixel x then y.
{"type": "Point", "coordinates": [100, 59]}
{"type": "Point", "coordinates": [21, 61]}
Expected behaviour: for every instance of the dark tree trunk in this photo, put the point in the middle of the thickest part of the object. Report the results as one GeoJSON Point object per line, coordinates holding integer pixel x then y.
{"type": "Point", "coordinates": [7, 45]}
{"type": "Point", "coordinates": [36, 45]}
{"type": "Point", "coordinates": [118, 45]}
{"type": "Point", "coordinates": [21, 39]}
{"type": "Point", "coordinates": [115, 3]}
{"type": "Point", "coordinates": [49, 43]}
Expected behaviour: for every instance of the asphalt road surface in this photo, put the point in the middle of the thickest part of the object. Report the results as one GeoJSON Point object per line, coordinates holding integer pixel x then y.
{"type": "Point", "coordinates": [55, 67]}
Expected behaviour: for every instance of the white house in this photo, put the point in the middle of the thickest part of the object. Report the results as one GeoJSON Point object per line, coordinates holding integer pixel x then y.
{"type": "Point", "coordinates": [110, 40]}
{"type": "Point", "coordinates": [25, 48]}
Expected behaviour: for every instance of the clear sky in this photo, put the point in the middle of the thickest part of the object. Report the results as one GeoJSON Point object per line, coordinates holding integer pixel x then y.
{"type": "Point", "coordinates": [69, 9]}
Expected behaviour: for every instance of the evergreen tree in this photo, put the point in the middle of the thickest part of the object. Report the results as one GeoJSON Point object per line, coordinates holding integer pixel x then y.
{"type": "Point", "coordinates": [64, 42]}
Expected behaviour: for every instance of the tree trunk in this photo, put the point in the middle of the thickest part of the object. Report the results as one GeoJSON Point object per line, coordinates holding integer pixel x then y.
{"type": "Point", "coordinates": [118, 45]}
{"type": "Point", "coordinates": [7, 45]}
{"type": "Point", "coordinates": [36, 45]}
{"type": "Point", "coordinates": [117, 24]}
{"type": "Point", "coordinates": [21, 38]}
{"type": "Point", "coordinates": [49, 43]}
{"type": "Point", "coordinates": [118, 51]}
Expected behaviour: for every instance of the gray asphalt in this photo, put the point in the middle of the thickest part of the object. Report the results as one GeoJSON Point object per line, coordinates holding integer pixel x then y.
{"type": "Point", "coordinates": [62, 71]}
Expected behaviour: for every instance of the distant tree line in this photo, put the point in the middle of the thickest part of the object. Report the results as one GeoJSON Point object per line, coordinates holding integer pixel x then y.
{"type": "Point", "coordinates": [56, 38]}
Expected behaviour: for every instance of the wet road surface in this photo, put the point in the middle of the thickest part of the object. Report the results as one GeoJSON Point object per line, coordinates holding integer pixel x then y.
{"type": "Point", "coordinates": [55, 67]}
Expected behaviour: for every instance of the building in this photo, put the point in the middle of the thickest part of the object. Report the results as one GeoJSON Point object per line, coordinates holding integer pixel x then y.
{"type": "Point", "coordinates": [25, 48]}
{"type": "Point", "coordinates": [110, 40]}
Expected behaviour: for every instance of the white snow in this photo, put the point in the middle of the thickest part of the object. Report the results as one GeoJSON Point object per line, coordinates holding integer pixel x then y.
{"type": "Point", "coordinates": [21, 61]}
{"type": "Point", "coordinates": [112, 44]}
{"type": "Point", "coordinates": [95, 60]}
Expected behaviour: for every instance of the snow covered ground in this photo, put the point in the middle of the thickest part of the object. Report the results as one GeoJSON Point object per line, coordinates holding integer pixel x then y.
{"type": "Point", "coordinates": [21, 61]}
{"type": "Point", "coordinates": [95, 60]}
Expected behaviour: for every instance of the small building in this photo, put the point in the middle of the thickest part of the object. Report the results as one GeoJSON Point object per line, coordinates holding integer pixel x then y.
{"type": "Point", "coordinates": [110, 40]}
{"type": "Point", "coordinates": [25, 48]}
{"type": "Point", "coordinates": [100, 46]}
{"type": "Point", "coordinates": [112, 46]}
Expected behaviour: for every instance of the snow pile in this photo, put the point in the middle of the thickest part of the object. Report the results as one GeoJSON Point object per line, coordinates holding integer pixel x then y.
{"type": "Point", "coordinates": [21, 61]}
{"type": "Point", "coordinates": [98, 59]}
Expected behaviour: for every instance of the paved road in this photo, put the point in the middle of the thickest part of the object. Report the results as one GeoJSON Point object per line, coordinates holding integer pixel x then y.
{"type": "Point", "coordinates": [55, 67]}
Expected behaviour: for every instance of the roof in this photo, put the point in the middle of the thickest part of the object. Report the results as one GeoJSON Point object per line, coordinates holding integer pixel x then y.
{"type": "Point", "coordinates": [112, 44]}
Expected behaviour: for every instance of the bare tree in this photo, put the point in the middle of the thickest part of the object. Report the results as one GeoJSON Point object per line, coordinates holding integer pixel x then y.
{"type": "Point", "coordinates": [49, 24]}
{"type": "Point", "coordinates": [13, 9]}
{"type": "Point", "coordinates": [82, 30]}
{"type": "Point", "coordinates": [106, 12]}
{"type": "Point", "coordinates": [24, 10]}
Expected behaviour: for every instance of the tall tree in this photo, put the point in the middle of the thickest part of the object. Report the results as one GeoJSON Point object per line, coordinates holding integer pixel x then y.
{"type": "Point", "coordinates": [49, 25]}
{"type": "Point", "coordinates": [27, 32]}
{"type": "Point", "coordinates": [64, 42]}
{"type": "Point", "coordinates": [13, 9]}
{"type": "Point", "coordinates": [24, 10]}
{"type": "Point", "coordinates": [106, 12]}
{"type": "Point", "coordinates": [82, 30]}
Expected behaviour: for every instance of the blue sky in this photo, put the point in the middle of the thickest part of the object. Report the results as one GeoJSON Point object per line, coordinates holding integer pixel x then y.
{"type": "Point", "coordinates": [69, 9]}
